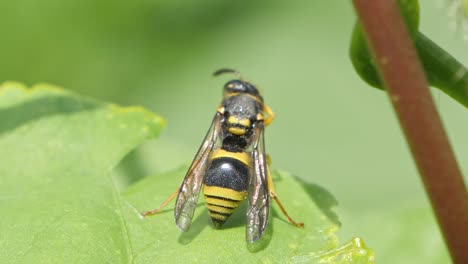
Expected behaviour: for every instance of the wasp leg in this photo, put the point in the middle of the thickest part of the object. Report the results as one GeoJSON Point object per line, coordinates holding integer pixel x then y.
{"type": "Point", "coordinates": [273, 195]}
{"type": "Point", "coordinates": [270, 113]}
{"type": "Point", "coordinates": [155, 211]}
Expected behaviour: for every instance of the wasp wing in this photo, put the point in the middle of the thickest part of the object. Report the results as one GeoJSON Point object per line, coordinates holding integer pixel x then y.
{"type": "Point", "coordinates": [258, 198]}
{"type": "Point", "coordinates": [189, 191]}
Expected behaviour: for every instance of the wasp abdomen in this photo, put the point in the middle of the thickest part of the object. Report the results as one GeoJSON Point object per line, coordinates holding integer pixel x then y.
{"type": "Point", "coordinates": [226, 184]}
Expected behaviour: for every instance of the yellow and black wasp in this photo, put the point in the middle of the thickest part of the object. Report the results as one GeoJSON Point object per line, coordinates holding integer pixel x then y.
{"type": "Point", "coordinates": [231, 164]}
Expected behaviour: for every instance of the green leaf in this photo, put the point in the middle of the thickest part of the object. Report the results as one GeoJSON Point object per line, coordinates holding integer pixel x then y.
{"type": "Point", "coordinates": [465, 8]}
{"type": "Point", "coordinates": [57, 200]}
{"type": "Point", "coordinates": [353, 251]}
{"type": "Point", "coordinates": [158, 239]}
{"type": "Point", "coordinates": [60, 203]}
{"type": "Point", "coordinates": [442, 70]}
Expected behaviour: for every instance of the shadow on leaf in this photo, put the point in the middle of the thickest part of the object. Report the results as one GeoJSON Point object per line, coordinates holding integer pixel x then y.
{"type": "Point", "coordinates": [31, 110]}
{"type": "Point", "coordinates": [133, 167]}
{"type": "Point", "coordinates": [200, 223]}
{"type": "Point", "coordinates": [323, 198]}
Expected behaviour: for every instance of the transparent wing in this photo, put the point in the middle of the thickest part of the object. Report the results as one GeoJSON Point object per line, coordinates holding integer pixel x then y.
{"type": "Point", "coordinates": [189, 191]}
{"type": "Point", "coordinates": [258, 204]}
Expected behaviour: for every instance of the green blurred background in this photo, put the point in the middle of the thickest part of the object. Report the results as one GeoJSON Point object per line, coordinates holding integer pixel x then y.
{"type": "Point", "coordinates": [330, 129]}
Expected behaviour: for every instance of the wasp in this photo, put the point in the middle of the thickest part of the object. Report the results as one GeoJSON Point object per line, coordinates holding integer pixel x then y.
{"type": "Point", "coordinates": [231, 164]}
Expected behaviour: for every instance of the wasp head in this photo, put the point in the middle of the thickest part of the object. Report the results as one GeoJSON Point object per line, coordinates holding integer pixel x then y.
{"type": "Point", "coordinates": [237, 86]}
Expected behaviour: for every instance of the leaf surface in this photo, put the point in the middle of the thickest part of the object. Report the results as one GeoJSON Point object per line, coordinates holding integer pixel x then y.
{"type": "Point", "coordinates": [57, 200]}
{"type": "Point", "coordinates": [158, 239]}
{"type": "Point", "coordinates": [60, 203]}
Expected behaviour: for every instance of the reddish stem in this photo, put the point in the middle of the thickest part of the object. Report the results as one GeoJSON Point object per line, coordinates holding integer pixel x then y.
{"type": "Point", "coordinates": [404, 79]}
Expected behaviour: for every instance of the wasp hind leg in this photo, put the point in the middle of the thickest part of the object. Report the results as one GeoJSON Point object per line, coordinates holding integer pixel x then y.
{"type": "Point", "coordinates": [271, 188]}
{"type": "Point", "coordinates": [157, 210]}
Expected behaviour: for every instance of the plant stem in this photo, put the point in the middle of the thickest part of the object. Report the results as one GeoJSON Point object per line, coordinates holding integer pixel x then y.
{"type": "Point", "coordinates": [404, 79]}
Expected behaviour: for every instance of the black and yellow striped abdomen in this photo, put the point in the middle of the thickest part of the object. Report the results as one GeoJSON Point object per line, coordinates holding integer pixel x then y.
{"type": "Point", "coordinates": [226, 183]}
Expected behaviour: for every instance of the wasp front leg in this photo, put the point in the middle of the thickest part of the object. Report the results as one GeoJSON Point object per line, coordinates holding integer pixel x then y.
{"type": "Point", "coordinates": [270, 115]}
{"type": "Point", "coordinates": [271, 188]}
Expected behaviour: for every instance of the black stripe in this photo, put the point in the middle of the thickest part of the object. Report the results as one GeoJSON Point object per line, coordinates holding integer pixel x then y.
{"type": "Point", "coordinates": [219, 213]}
{"type": "Point", "coordinates": [223, 206]}
{"type": "Point", "coordinates": [234, 143]}
{"type": "Point", "coordinates": [221, 198]}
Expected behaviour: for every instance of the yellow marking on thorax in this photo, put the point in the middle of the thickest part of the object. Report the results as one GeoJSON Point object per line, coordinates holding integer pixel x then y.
{"type": "Point", "coordinates": [238, 131]}
{"type": "Point", "coordinates": [260, 116]}
{"type": "Point", "coordinates": [243, 157]}
{"type": "Point", "coordinates": [234, 120]}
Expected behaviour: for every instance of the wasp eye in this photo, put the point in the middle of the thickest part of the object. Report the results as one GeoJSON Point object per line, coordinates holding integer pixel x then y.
{"type": "Point", "coordinates": [235, 86]}
{"type": "Point", "coordinates": [249, 88]}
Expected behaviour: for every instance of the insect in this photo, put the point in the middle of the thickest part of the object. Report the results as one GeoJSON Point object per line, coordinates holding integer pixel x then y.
{"type": "Point", "coordinates": [231, 164]}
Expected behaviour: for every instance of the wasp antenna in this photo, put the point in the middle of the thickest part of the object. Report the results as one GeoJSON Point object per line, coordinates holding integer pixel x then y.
{"type": "Point", "coordinates": [226, 70]}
